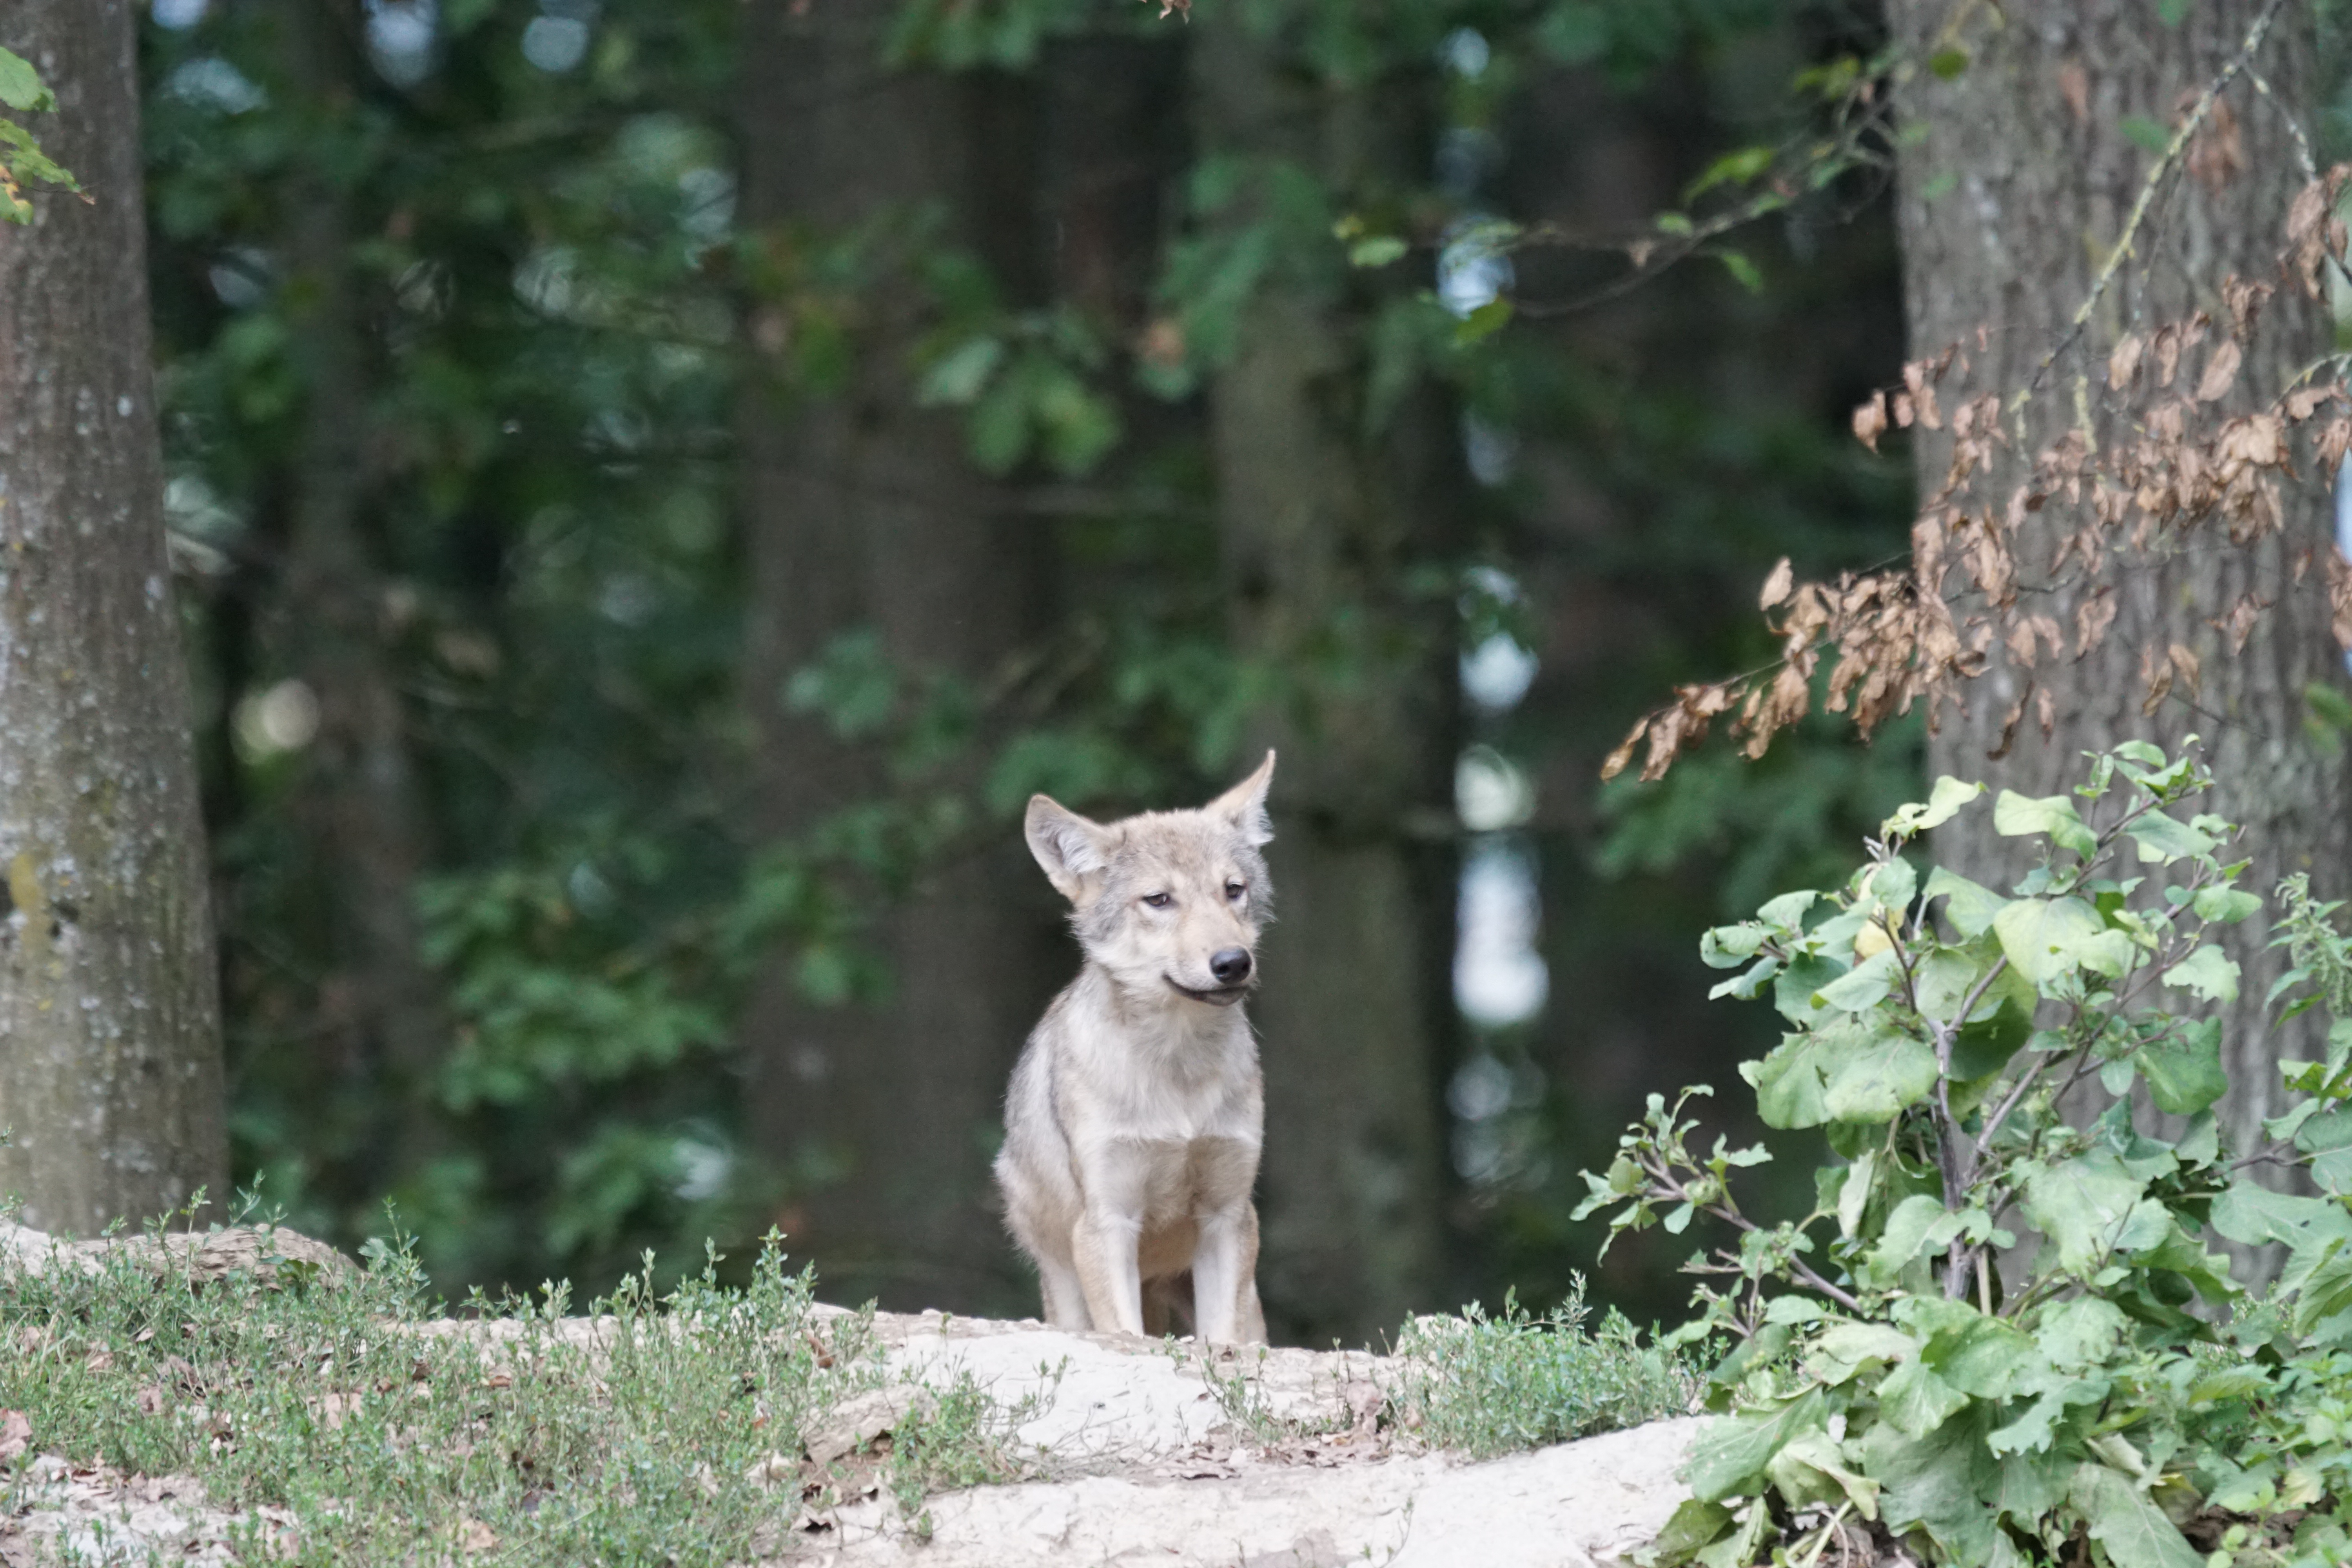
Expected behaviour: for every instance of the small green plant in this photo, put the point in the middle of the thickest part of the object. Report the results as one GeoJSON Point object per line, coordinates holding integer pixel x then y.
{"type": "Point", "coordinates": [1486, 1386]}
{"type": "Point", "coordinates": [1999, 1336]}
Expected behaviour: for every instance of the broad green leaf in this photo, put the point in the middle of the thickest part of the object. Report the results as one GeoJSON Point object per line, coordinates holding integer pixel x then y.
{"type": "Point", "coordinates": [1787, 912]}
{"type": "Point", "coordinates": [956, 377]}
{"type": "Point", "coordinates": [2183, 1072]}
{"type": "Point", "coordinates": [1377, 250]}
{"type": "Point", "coordinates": [1728, 947]}
{"type": "Point", "coordinates": [1878, 1078]}
{"type": "Point", "coordinates": [20, 85]}
{"type": "Point", "coordinates": [2143, 131]}
{"type": "Point", "coordinates": [1985, 1357]}
{"type": "Point", "coordinates": [1920, 1223]}
{"type": "Point", "coordinates": [1918, 1399]}
{"type": "Point", "coordinates": [1863, 986]}
{"type": "Point", "coordinates": [1844, 1349]}
{"type": "Point", "coordinates": [1691, 1526]}
{"type": "Point", "coordinates": [1788, 1082]}
{"type": "Point", "coordinates": [1937, 1483]}
{"type": "Point", "coordinates": [1812, 1468]}
{"type": "Point", "coordinates": [2252, 1213]}
{"type": "Point", "coordinates": [2223, 906]}
{"type": "Point", "coordinates": [2042, 936]}
{"type": "Point", "coordinates": [1797, 988]}
{"type": "Point", "coordinates": [1969, 907]}
{"type": "Point", "coordinates": [1731, 1452]}
{"type": "Point", "coordinates": [2014, 814]}
{"type": "Point", "coordinates": [2327, 1139]}
{"type": "Point", "coordinates": [2032, 1429]}
{"type": "Point", "coordinates": [2126, 1522]}
{"type": "Point", "coordinates": [2162, 838]}
{"type": "Point", "coordinates": [2079, 1332]}
{"type": "Point", "coordinates": [2206, 973]}
{"type": "Point", "coordinates": [2083, 1206]}
{"type": "Point", "coordinates": [1483, 322]}
{"type": "Point", "coordinates": [1943, 803]}
{"type": "Point", "coordinates": [2325, 1290]}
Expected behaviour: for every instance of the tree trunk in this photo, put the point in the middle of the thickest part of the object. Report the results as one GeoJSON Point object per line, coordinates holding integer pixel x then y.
{"type": "Point", "coordinates": [863, 515]}
{"type": "Point", "coordinates": [359, 805]}
{"type": "Point", "coordinates": [1319, 524]}
{"type": "Point", "coordinates": [2014, 191]}
{"type": "Point", "coordinates": [110, 1025]}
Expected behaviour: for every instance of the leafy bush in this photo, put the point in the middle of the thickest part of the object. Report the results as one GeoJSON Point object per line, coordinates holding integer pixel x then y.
{"type": "Point", "coordinates": [1999, 1336]}
{"type": "Point", "coordinates": [1487, 1386]}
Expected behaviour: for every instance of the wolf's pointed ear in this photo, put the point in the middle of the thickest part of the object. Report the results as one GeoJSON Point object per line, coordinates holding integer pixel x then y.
{"type": "Point", "coordinates": [1070, 847]}
{"type": "Point", "coordinates": [1244, 806]}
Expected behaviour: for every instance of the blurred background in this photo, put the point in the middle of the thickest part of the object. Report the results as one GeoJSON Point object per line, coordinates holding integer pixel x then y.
{"type": "Point", "coordinates": [658, 483]}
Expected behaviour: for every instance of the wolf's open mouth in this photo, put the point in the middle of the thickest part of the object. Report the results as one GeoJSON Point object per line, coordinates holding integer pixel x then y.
{"type": "Point", "coordinates": [1222, 996]}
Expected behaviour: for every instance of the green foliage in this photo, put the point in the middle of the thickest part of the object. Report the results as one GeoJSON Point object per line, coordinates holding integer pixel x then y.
{"type": "Point", "coordinates": [1998, 1333]}
{"type": "Point", "coordinates": [1486, 1385]}
{"type": "Point", "coordinates": [21, 159]}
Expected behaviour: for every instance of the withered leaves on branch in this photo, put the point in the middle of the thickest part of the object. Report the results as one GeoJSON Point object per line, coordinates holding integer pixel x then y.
{"type": "Point", "coordinates": [2179, 468]}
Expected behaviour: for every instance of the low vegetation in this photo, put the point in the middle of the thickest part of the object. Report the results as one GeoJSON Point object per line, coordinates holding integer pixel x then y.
{"type": "Point", "coordinates": [657, 1428]}
{"type": "Point", "coordinates": [2000, 1337]}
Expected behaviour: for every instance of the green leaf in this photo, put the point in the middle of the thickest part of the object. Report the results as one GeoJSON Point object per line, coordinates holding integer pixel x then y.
{"type": "Point", "coordinates": [1691, 1526]}
{"type": "Point", "coordinates": [2206, 973]}
{"type": "Point", "coordinates": [21, 87]}
{"type": "Point", "coordinates": [2083, 1206]}
{"type": "Point", "coordinates": [1377, 250]}
{"type": "Point", "coordinates": [2142, 131]}
{"type": "Point", "coordinates": [2325, 1290]}
{"type": "Point", "coordinates": [1882, 1076]}
{"type": "Point", "coordinates": [2126, 1522]}
{"type": "Point", "coordinates": [1845, 1349]}
{"type": "Point", "coordinates": [1919, 1223]}
{"type": "Point", "coordinates": [2042, 936]}
{"type": "Point", "coordinates": [2252, 1213]}
{"type": "Point", "coordinates": [2223, 906]}
{"type": "Point", "coordinates": [1743, 271]}
{"type": "Point", "coordinates": [2172, 13]}
{"type": "Point", "coordinates": [1737, 167]}
{"type": "Point", "coordinates": [1731, 1452]}
{"type": "Point", "coordinates": [1483, 322]}
{"type": "Point", "coordinates": [1918, 1399]}
{"type": "Point", "coordinates": [2184, 1074]}
{"type": "Point", "coordinates": [957, 377]}
{"type": "Point", "coordinates": [1944, 802]}
{"type": "Point", "coordinates": [2160, 839]}
{"type": "Point", "coordinates": [2082, 1331]}
{"type": "Point", "coordinates": [1863, 986]}
{"type": "Point", "coordinates": [1947, 64]}
{"type": "Point", "coordinates": [2055, 817]}
{"type": "Point", "coordinates": [2327, 1138]}
{"type": "Point", "coordinates": [1968, 907]}
{"type": "Point", "coordinates": [1938, 1483]}
{"type": "Point", "coordinates": [1812, 1468]}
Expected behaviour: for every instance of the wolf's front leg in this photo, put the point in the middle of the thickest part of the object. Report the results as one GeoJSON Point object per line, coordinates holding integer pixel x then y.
{"type": "Point", "coordinates": [1105, 1246]}
{"type": "Point", "coordinates": [1224, 1270]}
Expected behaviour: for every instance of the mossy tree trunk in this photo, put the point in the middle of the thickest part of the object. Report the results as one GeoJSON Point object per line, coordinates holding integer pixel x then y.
{"type": "Point", "coordinates": [110, 1025]}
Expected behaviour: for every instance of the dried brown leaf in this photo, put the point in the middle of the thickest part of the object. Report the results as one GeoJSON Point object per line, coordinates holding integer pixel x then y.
{"type": "Point", "coordinates": [2166, 347]}
{"type": "Point", "coordinates": [1623, 755]}
{"type": "Point", "coordinates": [2074, 87]}
{"type": "Point", "coordinates": [2238, 625]}
{"type": "Point", "coordinates": [2185, 665]}
{"type": "Point", "coordinates": [1777, 585]}
{"type": "Point", "coordinates": [2155, 674]}
{"type": "Point", "coordinates": [1870, 420]}
{"type": "Point", "coordinates": [2009, 724]}
{"type": "Point", "coordinates": [2124, 363]}
{"type": "Point", "coordinates": [2046, 709]}
{"type": "Point", "coordinates": [2306, 400]}
{"type": "Point", "coordinates": [15, 1434]}
{"type": "Point", "coordinates": [2093, 617]}
{"type": "Point", "coordinates": [2221, 373]}
{"type": "Point", "coordinates": [1903, 411]}
{"type": "Point", "coordinates": [2339, 597]}
{"type": "Point", "coordinates": [2245, 300]}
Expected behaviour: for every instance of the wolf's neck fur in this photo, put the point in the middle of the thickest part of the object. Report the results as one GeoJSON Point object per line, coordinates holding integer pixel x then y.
{"type": "Point", "coordinates": [1171, 1031]}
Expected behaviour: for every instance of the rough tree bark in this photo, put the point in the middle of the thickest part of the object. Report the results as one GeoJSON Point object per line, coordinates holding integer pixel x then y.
{"type": "Point", "coordinates": [2013, 193]}
{"type": "Point", "coordinates": [1316, 521]}
{"type": "Point", "coordinates": [110, 1025]}
{"type": "Point", "coordinates": [863, 513]}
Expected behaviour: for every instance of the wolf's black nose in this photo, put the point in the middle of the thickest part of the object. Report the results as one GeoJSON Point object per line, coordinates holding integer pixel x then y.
{"type": "Point", "coordinates": [1231, 966]}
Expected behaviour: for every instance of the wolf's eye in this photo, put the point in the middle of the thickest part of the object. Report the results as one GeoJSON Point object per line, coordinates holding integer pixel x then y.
{"type": "Point", "coordinates": [1159, 900]}
{"type": "Point", "coordinates": [1236, 891]}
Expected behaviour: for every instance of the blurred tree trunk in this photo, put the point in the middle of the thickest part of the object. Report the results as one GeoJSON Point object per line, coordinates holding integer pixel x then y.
{"type": "Point", "coordinates": [1320, 522]}
{"type": "Point", "coordinates": [2013, 193]}
{"type": "Point", "coordinates": [360, 806]}
{"type": "Point", "coordinates": [110, 1024]}
{"type": "Point", "coordinates": [863, 515]}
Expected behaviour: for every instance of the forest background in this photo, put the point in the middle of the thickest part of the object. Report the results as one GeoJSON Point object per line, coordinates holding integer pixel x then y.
{"type": "Point", "coordinates": [655, 484]}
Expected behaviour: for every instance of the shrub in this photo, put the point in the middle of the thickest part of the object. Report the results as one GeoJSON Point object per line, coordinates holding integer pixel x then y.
{"type": "Point", "coordinates": [1999, 1336]}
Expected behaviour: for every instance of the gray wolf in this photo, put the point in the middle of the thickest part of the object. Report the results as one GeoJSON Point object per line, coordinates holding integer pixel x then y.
{"type": "Point", "coordinates": [1136, 1111]}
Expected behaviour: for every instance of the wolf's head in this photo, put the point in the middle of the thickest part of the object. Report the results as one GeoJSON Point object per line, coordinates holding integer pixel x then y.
{"type": "Point", "coordinates": [1171, 901]}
